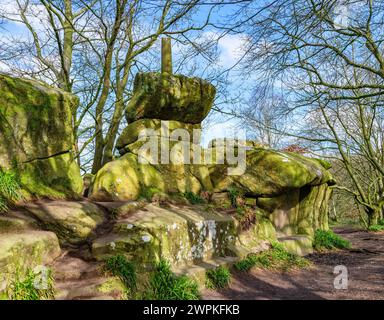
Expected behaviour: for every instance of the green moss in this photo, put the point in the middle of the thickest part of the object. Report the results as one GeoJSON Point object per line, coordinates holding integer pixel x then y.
{"type": "Point", "coordinates": [170, 97]}
{"type": "Point", "coordinates": [36, 137]}
{"type": "Point", "coordinates": [327, 239]}
{"type": "Point", "coordinates": [270, 173]}
{"type": "Point", "coordinates": [193, 198]}
{"type": "Point", "coordinates": [54, 177]}
{"type": "Point", "coordinates": [148, 193]}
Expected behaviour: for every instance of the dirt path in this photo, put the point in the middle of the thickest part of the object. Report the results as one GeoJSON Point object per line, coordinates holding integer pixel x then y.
{"type": "Point", "coordinates": [365, 264]}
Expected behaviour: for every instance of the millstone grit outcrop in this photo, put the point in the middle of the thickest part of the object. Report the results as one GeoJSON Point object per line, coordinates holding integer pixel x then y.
{"type": "Point", "coordinates": [289, 190]}
{"type": "Point", "coordinates": [72, 221]}
{"type": "Point", "coordinates": [190, 212]}
{"type": "Point", "coordinates": [170, 97]}
{"type": "Point", "coordinates": [36, 137]}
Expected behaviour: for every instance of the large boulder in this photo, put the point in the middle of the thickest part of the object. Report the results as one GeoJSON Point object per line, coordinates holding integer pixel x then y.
{"type": "Point", "coordinates": [270, 173]}
{"type": "Point", "coordinates": [53, 177]}
{"type": "Point", "coordinates": [170, 97]}
{"type": "Point", "coordinates": [130, 135]}
{"type": "Point", "coordinates": [72, 221]}
{"type": "Point", "coordinates": [179, 234]}
{"type": "Point", "coordinates": [128, 179]}
{"type": "Point", "coordinates": [37, 136]}
{"type": "Point", "coordinates": [20, 250]}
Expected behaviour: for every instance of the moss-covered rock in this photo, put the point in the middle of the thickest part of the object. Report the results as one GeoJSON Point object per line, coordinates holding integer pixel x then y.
{"type": "Point", "coordinates": [131, 133]}
{"type": "Point", "coordinates": [170, 97]}
{"type": "Point", "coordinates": [180, 234]}
{"type": "Point", "coordinates": [36, 136]}
{"type": "Point", "coordinates": [298, 244]}
{"type": "Point", "coordinates": [53, 177]}
{"type": "Point", "coordinates": [72, 221]}
{"type": "Point", "coordinates": [256, 239]}
{"type": "Point", "coordinates": [11, 224]}
{"type": "Point", "coordinates": [36, 120]}
{"type": "Point", "coordinates": [127, 179]}
{"type": "Point", "coordinates": [270, 173]}
{"type": "Point", "coordinates": [26, 249]}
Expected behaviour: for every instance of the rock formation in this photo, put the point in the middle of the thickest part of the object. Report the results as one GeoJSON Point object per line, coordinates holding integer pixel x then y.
{"type": "Point", "coordinates": [289, 191]}
{"type": "Point", "coordinates": [188, 210]}
{"type": "Point", "coordinates": [36, 137]}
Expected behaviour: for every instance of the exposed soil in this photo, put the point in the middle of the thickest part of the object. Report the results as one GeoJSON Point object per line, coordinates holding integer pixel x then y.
{"type": "Point", "coordinates": [364, 262]}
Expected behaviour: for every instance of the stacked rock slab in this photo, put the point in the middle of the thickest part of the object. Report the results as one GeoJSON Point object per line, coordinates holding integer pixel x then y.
{"type": "Point", "coordinates": [36, 137]}
{"type": "Point", "coordinates": [170, 108]}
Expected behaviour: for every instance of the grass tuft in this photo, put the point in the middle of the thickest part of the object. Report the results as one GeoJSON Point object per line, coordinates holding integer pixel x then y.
{"type": "Point", "coordinates": [327, 239]}
{"type": "Point", "coordinates": [165, 285]}
{"type": "Point", "coordinates": [9, 189]}
{"type": "Point", "coordinates": [25, 286]}
{"type": "Point", "coordinates": [119, 266]}
{"type": "Point", "coordinates": [376, 228]}
{"type": "Point", "coordinates": [218, 278]}
{"type": "Point", "coordinates": [275, 258]}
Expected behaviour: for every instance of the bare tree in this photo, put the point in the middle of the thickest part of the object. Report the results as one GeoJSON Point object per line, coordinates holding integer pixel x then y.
{"type": "Point", "coordinates": [93, 49]}
{"type": "Point", "coordinates": [327, 57]}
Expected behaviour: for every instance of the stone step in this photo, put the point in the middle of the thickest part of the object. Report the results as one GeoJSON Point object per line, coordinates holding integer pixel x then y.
{"type": "Point", "coordinates": [72, 268]}
{"type": "Point", "coordinates": [110, 288]}
{"type": "Point", "coordinates": [179, 234]}
{"type": "Point", "coordinates": [16, 221]}
{"type": "Point", "coordinates": [297, 244]}
{"type": "Point", "coordinates": [197, 271]}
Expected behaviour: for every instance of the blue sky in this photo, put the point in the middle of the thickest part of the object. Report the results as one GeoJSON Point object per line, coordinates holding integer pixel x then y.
{"type": "Point", "coordinates": [230, 49]}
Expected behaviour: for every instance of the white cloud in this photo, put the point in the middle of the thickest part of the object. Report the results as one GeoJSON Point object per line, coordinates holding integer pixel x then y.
{"type": "Point", "coordinates": [223, 129]}
{"type": "Point", "coordinates": [231, 47]}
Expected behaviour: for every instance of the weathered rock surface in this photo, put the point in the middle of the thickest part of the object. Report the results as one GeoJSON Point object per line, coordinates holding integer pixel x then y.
{"type": "Point", "coordinates": [170, 97]}
{"type": "Point", "coordinates": [270, 173]}
{"type": "Point", "coordinates": [53, 177]}
{"type": "Point", "coordinates": [130, 135]}
{"type": "Point", "coordinates": [297, 244]}
{"type": "Point", "coordinates": [72, 221]}
{"type": "Point", "coordinates": [26, 248]}
{"type": "Point", "coordinates": [180, 234]}
{"type": "Point", "coordinates": [127, 179]}
{"type": "Point", "coordinates": [37, 137]}
{"type": "Point", "coordinates": [77, 279]}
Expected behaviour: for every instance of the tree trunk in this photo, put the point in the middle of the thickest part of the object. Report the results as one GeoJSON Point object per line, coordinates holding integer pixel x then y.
{"type": "Point", "coordinates": [112, 131]}
{"type": "Point", "coordinates": [373, 216]}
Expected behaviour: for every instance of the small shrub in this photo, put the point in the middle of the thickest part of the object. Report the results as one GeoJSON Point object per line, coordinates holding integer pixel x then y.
{"type": "Point", "coordinates": [119, 266]}
{"type": "Point", "coordinates": [23, 286]}
{"type": "Point", "coordinates": [327, 239]}
{"type": "Point", "coordinates": [165, 285]}
{"type": "Point", "coordinates": [193, 198]}
{"type": "Point", "coordinates": [376, 227]}
{"type": "Point", "coordinates": [218, 278]}
{"type": "Point", "coordinates": [275, 258]}
{"type": "Point", "coordinates": [9, 189]}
